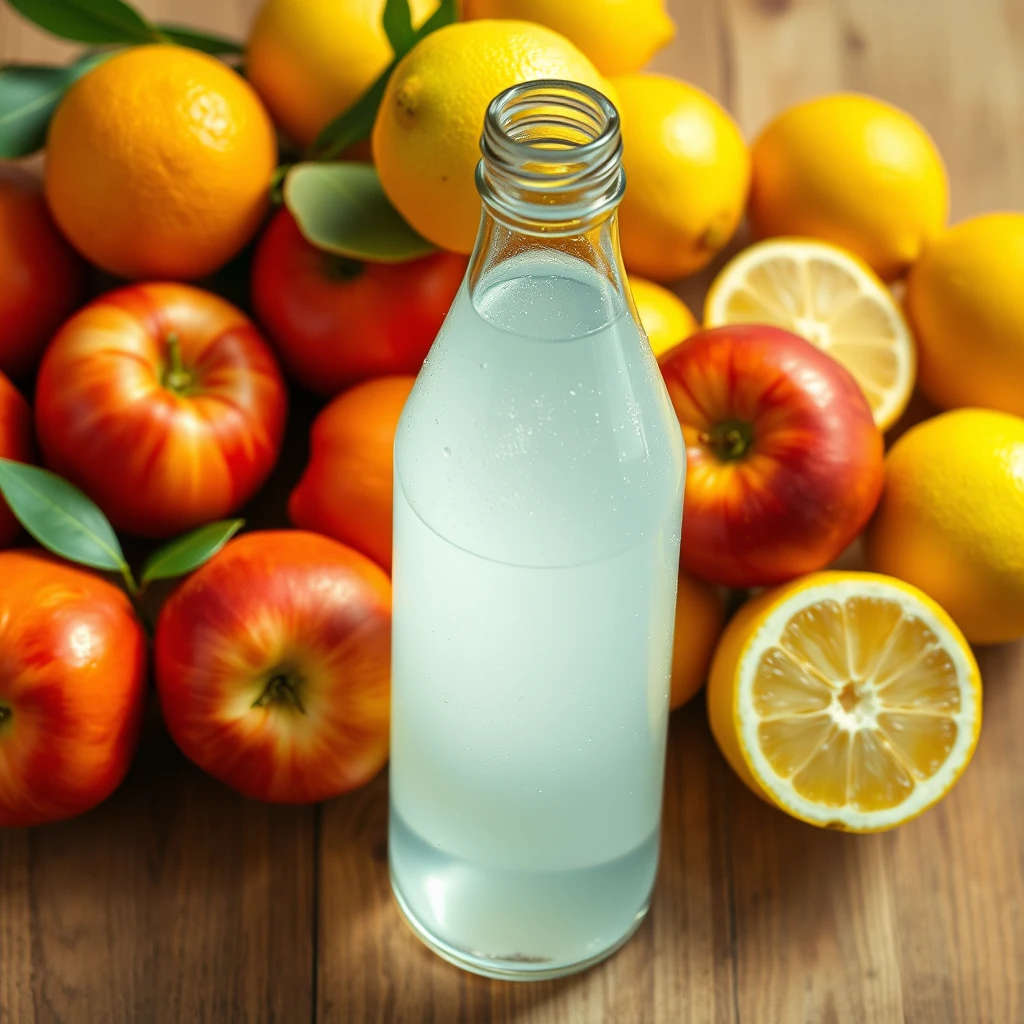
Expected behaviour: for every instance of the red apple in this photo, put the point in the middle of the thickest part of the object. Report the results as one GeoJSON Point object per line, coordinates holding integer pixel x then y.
{"type": "Point", "coordinates": [784, 461]}
{"type": "Point", "coordinates": [72, 688]}
{"type": "Point", "coordinates": [273, 666]}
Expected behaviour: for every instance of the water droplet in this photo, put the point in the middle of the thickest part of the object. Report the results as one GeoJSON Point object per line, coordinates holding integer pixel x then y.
{"type": "Point", "coordinates": [483, 366]}
{"type": "Point", "coordinates": [572, 392]}
{"type": "Point", "coordinates": [447, 452]}
{"type": "Point", "coordinates": [435, 421]}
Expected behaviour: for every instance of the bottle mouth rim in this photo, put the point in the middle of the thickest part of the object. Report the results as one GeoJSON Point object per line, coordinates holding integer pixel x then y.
{"type": "Point", "coordinates": [552, 156]}
{"type": "Point", "coordinates": [573, 106]}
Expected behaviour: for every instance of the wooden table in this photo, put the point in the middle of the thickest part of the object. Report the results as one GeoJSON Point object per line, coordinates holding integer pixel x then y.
{"type": "Point", "coordinates": [180, 901]}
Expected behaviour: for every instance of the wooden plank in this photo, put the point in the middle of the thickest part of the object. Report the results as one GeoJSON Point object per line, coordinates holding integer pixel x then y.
{"type": "Point", "coordinates": [677, 968]}
{"type": "Point", "coordinates": [175, 901]}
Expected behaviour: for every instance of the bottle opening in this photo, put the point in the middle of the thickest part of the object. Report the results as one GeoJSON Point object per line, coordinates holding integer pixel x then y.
{"type": "Point", "coordinates": [552, 157]}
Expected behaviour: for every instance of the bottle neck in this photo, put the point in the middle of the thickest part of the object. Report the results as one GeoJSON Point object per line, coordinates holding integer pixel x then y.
{"type": "Point", "coordinates": [551, 179]}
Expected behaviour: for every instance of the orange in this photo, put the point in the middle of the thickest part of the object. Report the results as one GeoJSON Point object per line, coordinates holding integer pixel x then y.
{"type": "Point", "coordinates": [700, 616]}
{"type": "Point", "coordinates": [159, 163]}
{"type": "Point", "coordinates": [346, 491]}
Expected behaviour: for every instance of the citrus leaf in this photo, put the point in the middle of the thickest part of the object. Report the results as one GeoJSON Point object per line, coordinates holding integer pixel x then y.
{"type": "Point", "coordinates": [397, 21]}
{"type": "Point", "coordinates": [207, 42]}
{"type": "Point", "coordinates": [60, 516]}
{"type": "Point", "coordinates": [355, 124]}
{"type": "Point", "coordinates": [89, 21]}
{"type": "Point", "coordinates": [29, 94]}
{"type": "Point", "coordinates": [342, 208]}
{"type": "Point", "coordinates": [189, 551]}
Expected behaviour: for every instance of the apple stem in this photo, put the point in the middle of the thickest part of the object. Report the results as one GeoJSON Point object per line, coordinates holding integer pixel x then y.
{"type": "Point", "coordinates": [279, 690]}
{"type": "Point", "coordinates": [176, 377]}
{"type": "Point", "coordinates": [729, 440]}
{"type": "Point", "coordinates": [5, 714]}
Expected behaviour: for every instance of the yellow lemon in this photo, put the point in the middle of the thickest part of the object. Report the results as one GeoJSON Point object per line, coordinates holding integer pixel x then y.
{"type": "Point", "coordinates": [851, 170]}
{"type": "Point", "coordinates": [951, 519]}
{"type": "Point", "coordinates": [834, 301]}
{"type": "Point", "coordinates": [426, 139]}
{"type": "Point", "coordinates": [687, 171]}
{"type": "Point", "coordinates": [311, 59]}
{"type": "Point", "coordinates": [700, 615]}
{"type": "Point", "coordinates": [846, 699]}
{"type": "Point", "coordinates": [965, 299]}
{"type": "Point", "coordinates": [664, 316]}
{"type": "Point", "coordinates": [617, 35]}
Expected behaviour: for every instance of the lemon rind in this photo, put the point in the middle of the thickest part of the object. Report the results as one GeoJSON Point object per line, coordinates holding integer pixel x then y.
{"type": "Point", "coordinates": [926, 793]}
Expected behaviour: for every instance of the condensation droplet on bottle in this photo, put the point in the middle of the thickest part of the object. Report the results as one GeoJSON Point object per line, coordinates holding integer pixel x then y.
{"type": "Point", "coordinates": [447, 452]}
{"type": "Point", "coordinates": [483, 366]}
{"type": "Point", "coordinates": [572, 392]}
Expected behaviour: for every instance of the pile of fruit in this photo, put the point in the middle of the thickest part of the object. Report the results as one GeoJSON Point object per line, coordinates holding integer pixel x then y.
{"type": "Point", "coordinates": [330, 193]}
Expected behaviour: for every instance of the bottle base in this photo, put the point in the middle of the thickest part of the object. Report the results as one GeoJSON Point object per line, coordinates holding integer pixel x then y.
{"type": "Point", "coordinates": [509, 969]}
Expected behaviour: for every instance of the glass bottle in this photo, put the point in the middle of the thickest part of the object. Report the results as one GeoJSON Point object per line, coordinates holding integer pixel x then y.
{"type": "Point", "coordinates": [538, 502]}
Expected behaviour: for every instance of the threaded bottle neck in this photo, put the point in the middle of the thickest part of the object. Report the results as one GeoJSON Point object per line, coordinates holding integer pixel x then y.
{"type": "Point", "coordinates": [552, 158]}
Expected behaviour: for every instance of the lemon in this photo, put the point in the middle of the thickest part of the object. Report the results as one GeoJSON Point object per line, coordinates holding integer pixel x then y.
{"type": "Point", "coordinates": [663, 315]}
{"type": "Point", "coordinates": [854, 171]}
{"type": "Point", "coordinates": [848, 700]}
{"type": "Point", "coordinates": [617, 35]}
{"type": "Point", "coordinates": [965, 299]}
{"type": "Point", "coordinates": [687, 171]}
{"type": "Point", "coordinates": [700, 616]}
{"type": "Point", "coordinates": [951, 519]}
{"type": "Point", "coordinates": [312, 59]}
{"type": "Point", "coordinates": [834, 301]}
{"type": "Point", "coordinates": [426, 139]}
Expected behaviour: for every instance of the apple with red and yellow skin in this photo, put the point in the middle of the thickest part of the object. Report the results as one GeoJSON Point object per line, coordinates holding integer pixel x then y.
{"type": "Point", "coordinates": [164, 404]}
{"type": "Point", "coordinates": [273, 666]}
{"type": "Point", "coordinates": [15, 443]}
{"type": "Point", "coordinates": [784, 461]}
{"type": "Point", "coordinates": [72, 688]}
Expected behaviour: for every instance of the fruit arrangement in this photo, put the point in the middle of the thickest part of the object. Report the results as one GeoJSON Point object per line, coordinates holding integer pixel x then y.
{"type": "Point", "coordinates": [204, 248]}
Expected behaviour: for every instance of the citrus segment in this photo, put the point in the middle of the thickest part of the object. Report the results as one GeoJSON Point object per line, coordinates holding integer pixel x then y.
{"type": "Point", "coordinates": [834, 301]}
{"type": "Point", "coordinates": [846, 699]}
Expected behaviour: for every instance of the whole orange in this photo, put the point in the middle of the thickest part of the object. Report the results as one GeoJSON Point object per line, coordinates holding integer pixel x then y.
{"type": "Point", "coordinates": [273, 666]}
{"type": "Point", "coordinates": [159, 163]}
{"type": "Point", "coordinates": [72, 688]}
{"type": "Point", "coordinates": [347, 489]}
{"type": "Point", "coordinates": [42, 278]}
{"type": "Point", "coordinates": [700, 619]}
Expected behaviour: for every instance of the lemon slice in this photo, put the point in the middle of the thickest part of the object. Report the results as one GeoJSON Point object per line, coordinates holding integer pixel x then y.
{"type": "Point", "coordinates": [833, 300]}
{"type": "Point", "coordinates": [849, 700]}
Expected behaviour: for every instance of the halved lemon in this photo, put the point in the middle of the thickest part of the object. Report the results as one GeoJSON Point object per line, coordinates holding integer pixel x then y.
{"type": "Point", "coordinates": [832, 299]}
{"type": "Point", "coordinates": [849, 700]}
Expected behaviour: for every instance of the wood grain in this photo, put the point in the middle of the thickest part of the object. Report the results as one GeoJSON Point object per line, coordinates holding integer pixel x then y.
{"type": "Point", "coordinates": [179, 901]}
{"type": "Point", "coordinates": [176, 901]}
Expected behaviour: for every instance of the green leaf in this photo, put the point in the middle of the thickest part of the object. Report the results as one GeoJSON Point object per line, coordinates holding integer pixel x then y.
{"type": "Point", "coordinates": [397, 21]}
{"type": "Point", "coordinates": [189, 551]}
{"type": "Point", "coordinates": [29, 94]}
{"type": "Point", "coordinates": [89, 21]}
{"type": "Point", "coordinates": [355, 124]}
{"type": "Point", "coordinates": [342, 208]}
{"type": "Point", "coordinates": [207, 42]}
{"type": "Point", "coordinates": [60, 516]}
